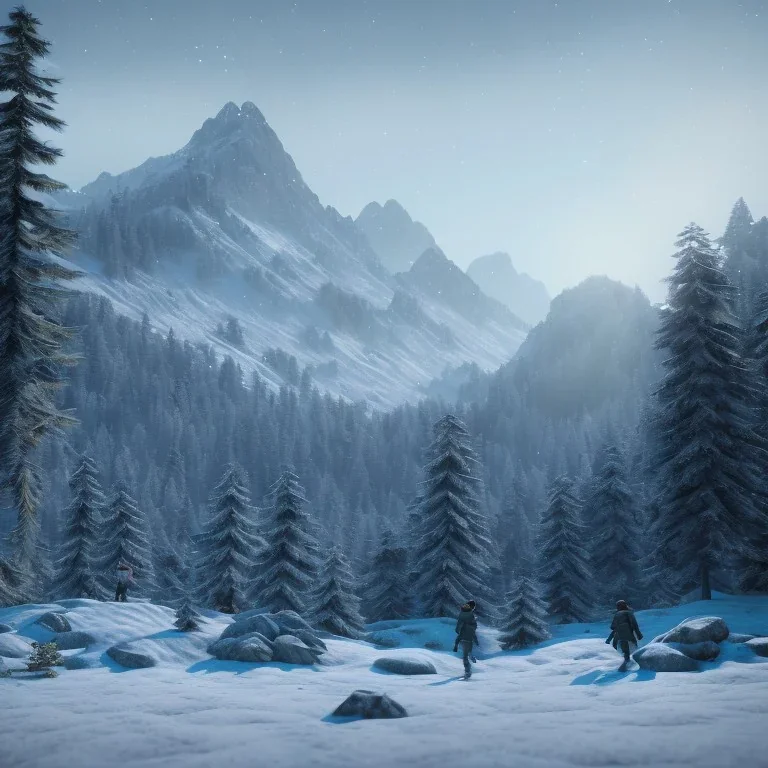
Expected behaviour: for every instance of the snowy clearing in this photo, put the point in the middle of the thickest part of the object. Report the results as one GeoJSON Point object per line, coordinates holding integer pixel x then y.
{"type": "Point", "coordinates": [562, 704]}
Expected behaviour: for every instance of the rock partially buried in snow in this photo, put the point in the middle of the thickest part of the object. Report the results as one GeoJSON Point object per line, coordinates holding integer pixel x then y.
{"type": "Point", "coordinates": [697, 630]}
{"type": "Point", "coordinates": [759, 645]}
{"type": "Point", "coordinates": [125, 657]}
{"type": "Point", "coordinates": [290, 650]}
{"type": "Point", "coordinates": [735, 637]}
{"type": "Point", "coordinates": [248, 648]}
{"type": "Point", "coordinates": [260, 623]}
{"type": "Point", "coordinates": [5, 628]}
{"type": "Point", "coordinates": [69, 641]}
{"type": "Point", "coordinates": [308, 638]}
{"type": "Point", "coordinates": [402, 665]}
{"type": "Point", "coordinates": [14, 647]}
{"type": "Point", "coordinates": [56, 622]}
{"type": "Point", "coordinates": [383, 640]}
{"type": "Point", "coordinates": [370, 705]}
{"type": "Point", "coordinates": [289, 621]}
{"type": "Point", "coordinates": [660, 657]}
{"type": "Point", "coordinates": [79, 661]}
{"type": "Point", "coordinates": [706, 651]}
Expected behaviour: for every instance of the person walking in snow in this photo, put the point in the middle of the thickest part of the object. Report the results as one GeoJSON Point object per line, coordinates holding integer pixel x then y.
{"type": "Point", "coordinates": [624, 631]}
{"type": "Point", "coordinates": [466, 634]}
{"type": "Point", "coordinates": [124, 580]}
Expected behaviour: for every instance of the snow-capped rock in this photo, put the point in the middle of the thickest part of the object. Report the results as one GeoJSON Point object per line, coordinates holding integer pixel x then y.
{"type": "Point", "coordinates": [55, 622]}
{"type": "Point", "coordinates": [291, 650]}
{"type": "Point", "coordinates": [125, 656]}
{"type": "Point", "coordinates": [252, 647]}
{"type": "Point", "coordinates": [67, 641]}
{"type": "Point", "coordinates": [12, 646]}
{"type": "Point", "coordinates": [697, 630]}
{"type": "Point", "coordinates": [404, 665]}
{"type": "Point", "coordinates": [759, 645]}
{"type": "Point", "coordinates": [260, 623]}
{"type": "Point", "coordinates": [707, 650]}
{"type": "Point", "coordinates": [370, 706]}
{"type": "Point", "coordinates": [660, 657]}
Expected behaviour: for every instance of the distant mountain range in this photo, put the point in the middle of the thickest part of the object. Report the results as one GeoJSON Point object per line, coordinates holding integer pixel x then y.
{"type": "Point", "coordinates": [224, 241]}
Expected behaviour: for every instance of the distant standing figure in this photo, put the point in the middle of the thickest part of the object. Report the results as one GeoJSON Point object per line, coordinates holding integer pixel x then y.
{"type": "Point", "coordinates": [624, 630]}
{"type": "Point", "coordinates": [466, 634]}
{"type": "Point", "coordinates": [124, 580]}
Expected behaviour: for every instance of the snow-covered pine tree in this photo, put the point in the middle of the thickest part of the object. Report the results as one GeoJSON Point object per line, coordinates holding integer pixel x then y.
{"type": "Point", "coordinates": [31, 290]}
{"type": "Point", "coordinates": [8, 593]}
{"type": "Point", "coordinates": [387, 590]}
{"type": "Point", "coordinates": [228, 546]}
{"type": "Point", "coordinates": [614, 535]}
{"type": "Point", "coordinates": [563, 560]}
{"type": "Point", "coordinates": [290, 561]}
{"type": "Point", "coordinates": [76, 569]}
{"type": "Point", "coordinates": [187, 618]}
{"type": "Point", "coordinates": [708, 478]}
{"type": "Point", "coordinates": [125, 539]}
{"type": "Point", "coordinates": [335, 606]}
{"type": "Point", "coordinates": [452, 551]}
{"type": "Point", "coordinates": [525, 616]}
{"type": "Point", "coordinates": [753, 565]}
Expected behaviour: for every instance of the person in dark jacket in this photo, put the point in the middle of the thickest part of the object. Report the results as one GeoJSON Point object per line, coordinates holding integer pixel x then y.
{"type": "Point", "coordinates": [466, 634]}
{"type": "Point", "coordinates": [624, 630]}
{"type": "Point", "coordinates": [124, 580]}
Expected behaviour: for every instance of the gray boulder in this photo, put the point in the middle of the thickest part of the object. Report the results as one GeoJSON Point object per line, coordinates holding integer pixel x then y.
{"type": "Point", "coordinates": [248, 648]}
{"type": "Point", "coordinates": [759, 645]}
{"type": "Point", "coordinates": [697, 630]}
{"type": "Point", "coordinates": [402, 665]}
{"type": "Point", "coordinates": [80, 661]}
{"type": "Point", "coordinates": [660, 657]}
{"type": "Point", "coordinates": [289, 622]}
{"type": "Point", "coordinates": [706, 651]}
{"type": "Point", "coordinates": [260, 623]}
{"type": "Point", "coordinates": [290, 650]}
{"type": "Point", "coordinates": [68, 641]}
{"type": "Point", "coordinates": [735, 637]}
{"type": "Point", "coordinates": [125, 657]}
{"type": "Point", "coordinates": [56, 622]}
{"type": "Point", "coordinates": [14, 647]}
{"type": "Point", "coordinates": [383, 640]}
{"type": "Point", "coordinates": [5, 628]}
{"type": "Point", "coordinates": [370, 705]}
{"type": "Point", "coordinates": [310, 639]}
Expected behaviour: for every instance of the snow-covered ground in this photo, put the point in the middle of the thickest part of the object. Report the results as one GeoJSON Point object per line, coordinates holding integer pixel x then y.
{"type": "Point", "coordinates": [561, 704]}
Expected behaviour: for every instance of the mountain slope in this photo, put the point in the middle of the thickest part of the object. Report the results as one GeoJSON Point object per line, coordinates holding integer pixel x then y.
{"type": "Point", "coordinates": [227, 228]}
{"type": "Point", "coordinates": [396, 238]}
{"type": "Point", "coordinates": [498, 278]}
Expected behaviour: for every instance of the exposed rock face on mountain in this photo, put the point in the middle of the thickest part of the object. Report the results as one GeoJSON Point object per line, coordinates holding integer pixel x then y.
{"type": "Point", "coordinates": [224, 242]}
{"type": "Point", "coordinates": [396, 238]}
{"type": "Point", "coordinates": [498, 278]}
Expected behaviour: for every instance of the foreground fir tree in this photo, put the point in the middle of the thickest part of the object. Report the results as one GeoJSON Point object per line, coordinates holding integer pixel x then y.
{"type": "Point", "coordinates": [125, 539]}
{"type": "Point", "coordinates": [187, 618]}
{"type": "Point", "coordinates": [563, 559]}
{"type": "Point", "coordinates": [387, 588]}
{"type": "Point", "coordinates": [614, 536]}
{"type": "Point", "coordinates": [76, 569]}
{"type": "Point", "coordinates": [452, 552]}
{"type": "Point", "coordinates": [336, 607]}
{"type": "Point", "coordinates": [290, 560]}
{"type": "Point", "coordinates": [525, 618]}
{"type": "Point", "coordinates": [708, 472]}
{"type": "Point", "coordinates": [753, 563]}
{"type": "Point", "coordinates": [31, 338]}
{"type": "Point", "coordinates": [228, 546]}
{"type": "Point", "coordinates": [44, 657]}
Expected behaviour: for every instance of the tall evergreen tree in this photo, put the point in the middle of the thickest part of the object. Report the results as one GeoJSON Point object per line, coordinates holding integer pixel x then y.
{"type": "Point", "coordinates": [525, 620]}
{"type": "Point", "coordinates": [753, 563]}
{"type": "Point", "coordinates": [228, 546]}
{"type": "Point", "coordinates": [76, 569]}
{"type": "Point", "coordinates": [336, 607]}
{"type": "Point", "coordinates": [708, 472]}
{"type": "Point", "coordinates": [290, 559]}
{"type": "Point", "coordinates": [387, 590]}
{"type": "Point", "coordinates": [614, 533]}
{"type": "Point", "coordinates": [125, 536]}
{"type": "Point", "coordinates": [563, 560]}
{"type": "Point", "coordinates": [8, 593]}
{"type": "Point", "coordinates": [187, 618]}
{"type": "Point", "coordinates": [453, 550]}
{"type": "Point", "coordinates": [31, 337]}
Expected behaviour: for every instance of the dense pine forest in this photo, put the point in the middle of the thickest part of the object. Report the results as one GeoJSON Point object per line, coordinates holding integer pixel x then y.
{"type": "Point", "coordinates": [621, 453]}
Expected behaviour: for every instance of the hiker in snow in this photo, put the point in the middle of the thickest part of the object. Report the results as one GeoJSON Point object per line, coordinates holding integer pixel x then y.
{"type": "Point", "coordinates": [466, 634]}
{"type": "Point", "coordinates": [124, 580]}
{"type": "Point", "coordinates": [624, 631]}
